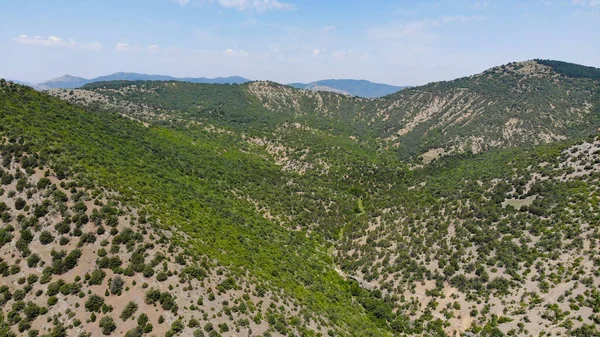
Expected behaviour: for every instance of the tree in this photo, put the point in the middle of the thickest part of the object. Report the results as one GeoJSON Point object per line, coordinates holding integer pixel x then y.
{"type": "Point", "coordinates": [142, 319]}
{"type": "Point", "coordinates": [116, 285]}
{"type": "Point", "coordinates": [128, 311]}
{"type": "Point", "coordinates": [152, 295]}
{"type": "Point", "coordinates": [46, 237]}
{"type": "Point", "coordinates": [94, 303]}
{"type": "Point", "coordinates": [138, 331]}
{"type": "Point", "coordinates": [43, 183]}
{"type": "Point", "coordinates": [108, 325]}
{"type": "Point", "coordinates": [97, 277]}
{"type": "Point", "coordinates": [20, 203]}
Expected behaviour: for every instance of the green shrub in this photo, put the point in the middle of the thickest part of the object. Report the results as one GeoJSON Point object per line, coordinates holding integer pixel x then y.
{"type": "Point", "coordinates": [129, 310]}
{"type": "Point", "coordinates": [94, 303]}
{"type": "Point", "coordinates": [107, 324]}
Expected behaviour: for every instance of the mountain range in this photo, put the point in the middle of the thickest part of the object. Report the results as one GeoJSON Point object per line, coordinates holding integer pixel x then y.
{"type": "Point", "coordinates": [359, 88]}
{"type": "Point", "coordinates": [70, 82]}
{"type": "Point", "coordinates": [459, 208]}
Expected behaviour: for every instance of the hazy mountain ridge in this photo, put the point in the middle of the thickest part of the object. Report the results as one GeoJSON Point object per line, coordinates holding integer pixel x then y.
{"type": "Point", "coordinates": [143, 77]}
{"type": "Point", "coordinates": [72, 82]}
{"type": "Point", "coordinates": [361, 88]}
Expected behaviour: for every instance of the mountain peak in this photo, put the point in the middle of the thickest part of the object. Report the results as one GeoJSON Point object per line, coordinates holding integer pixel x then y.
{"type": "Point", "coordinates": [66, 78]}
{"type": "Point", "coordinates": [66, 81]}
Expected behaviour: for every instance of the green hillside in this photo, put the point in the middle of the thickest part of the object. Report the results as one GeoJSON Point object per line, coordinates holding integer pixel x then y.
{"type": "Point", "coordinates": [188, 183]}
{"type": "Point", "coordinates": [325, 198]}
{"type": "Point", "coordinates": [525, 103]}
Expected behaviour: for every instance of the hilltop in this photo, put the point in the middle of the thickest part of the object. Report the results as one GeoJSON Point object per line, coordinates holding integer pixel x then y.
{"type": "Point", "coordinates": [516, 104]}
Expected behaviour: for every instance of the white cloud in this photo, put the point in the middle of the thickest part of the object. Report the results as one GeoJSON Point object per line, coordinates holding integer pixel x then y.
{"type": "Point", "coordinates": [245, 5]}
{"type": "Point", "coordinates": [588, 3]}
{"type": "Point", "coordinates": [238, 52]}
{"type": "Point", "coordinates": [256, 5]}
{"type": "Point", "coordinates": [123, 46]}
{"type": "Point", "coordinates": [54, 41]}
{"type": "Point", "coordinates": [316, 52]}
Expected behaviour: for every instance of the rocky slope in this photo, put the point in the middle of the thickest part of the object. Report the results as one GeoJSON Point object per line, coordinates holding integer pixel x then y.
{"type": "Point", "coordinates": [517, 104]}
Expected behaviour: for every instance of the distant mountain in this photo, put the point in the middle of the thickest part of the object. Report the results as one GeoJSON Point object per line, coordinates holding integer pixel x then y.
{"type": "Point", "coordinates": [38, 87]}
{"type": "Point", "coordinates": [70, 82]}
{"type": "Point", "coordinates": [131, 77]}
{"type": "Point", "coordinates": [360, 88]}
{"type": "Point", "coordinates": [144, 77]}
{"type": "Point", "coordinates": [217, 80]}
{"type": "Point", "coordinates": [66, 81]}
{"type": "Point", "coordinates": [315, 86]}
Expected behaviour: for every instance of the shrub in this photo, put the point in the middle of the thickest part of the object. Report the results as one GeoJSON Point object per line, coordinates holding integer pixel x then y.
{"type": "Point", "coordinates": [97, 277]}
{"type": "Point", "coordinates": [116, 285]}
{"type": "Point", "coordinates": [142, 319]}
{"type": "Point", "coordinates": [52, 300]}
{"type": "Point", "coordinates": [177, 326]}
{"type": "Point", "coordinates": [20, 203]}
{"type": "Point", "coordinates": [33, 260]}
{"type": "Point", "coordinates": [94, 303]}
{"type": "Point", "coordinates": [161, 276]}
{"type": "Point", "coordinates": [129, 310]}
{"type": "Point", "coordinates": [46, 237]}
{"type": "Point", "coordinates": [108, 325]}
{"type": "Point", "coordinates": [148, 328]}
{"type": "Point", "coordinates": [152, 295]}
{"type": "Point", "coordinates": [138, 331]}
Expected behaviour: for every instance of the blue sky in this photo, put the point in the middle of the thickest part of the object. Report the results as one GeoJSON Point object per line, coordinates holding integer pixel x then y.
{"type": "Point", "coordinates": [395, 42]}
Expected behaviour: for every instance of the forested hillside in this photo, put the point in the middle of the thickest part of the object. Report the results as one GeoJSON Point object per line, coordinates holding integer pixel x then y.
{"type": "Point", "coordinates": [192, 184]}
{"type": "Point", "coordinates": [461, 206]}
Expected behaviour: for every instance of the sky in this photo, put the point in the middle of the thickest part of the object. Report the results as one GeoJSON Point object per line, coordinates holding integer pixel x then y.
{"type": "Point", "coordinates": [395, 42]}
